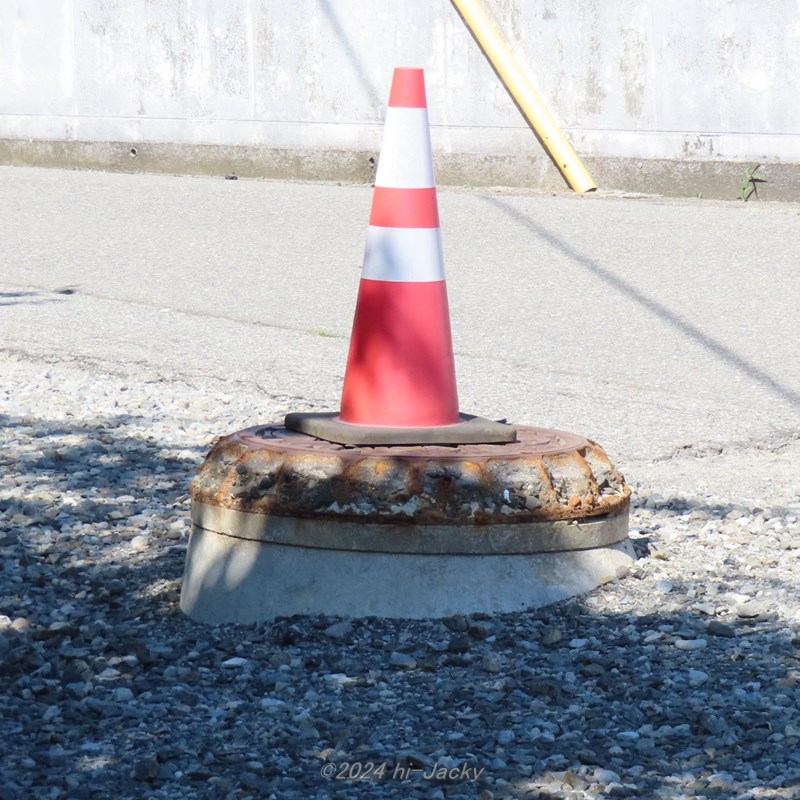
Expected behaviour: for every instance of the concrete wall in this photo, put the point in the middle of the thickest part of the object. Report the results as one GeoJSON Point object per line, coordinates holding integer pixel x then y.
{"type": "Point", "coordinates": [655, 96]}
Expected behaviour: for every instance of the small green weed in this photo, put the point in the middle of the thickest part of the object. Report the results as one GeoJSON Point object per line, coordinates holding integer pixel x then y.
{"type": "Point", "coordinates": [322, 332]}
{"type": "Point", "coordinates": [751, 180]}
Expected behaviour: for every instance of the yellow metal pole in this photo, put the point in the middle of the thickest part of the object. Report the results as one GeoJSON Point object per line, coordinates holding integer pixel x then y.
{"type": "Point", "coordinates": [528, 99]}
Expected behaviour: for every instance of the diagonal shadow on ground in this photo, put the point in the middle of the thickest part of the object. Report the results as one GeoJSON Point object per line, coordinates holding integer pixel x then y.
{"type": "Point", "coordinates": [686, 328]}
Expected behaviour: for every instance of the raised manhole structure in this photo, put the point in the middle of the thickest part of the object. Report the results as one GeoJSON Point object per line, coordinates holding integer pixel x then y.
{"type": "Point", "coordinates": [285, 523]}
{"type": "Point", "coordinates": [399, 505]}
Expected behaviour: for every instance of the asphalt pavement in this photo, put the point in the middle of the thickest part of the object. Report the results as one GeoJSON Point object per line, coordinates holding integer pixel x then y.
{"type": "Point", "coordinates": [667, 330]}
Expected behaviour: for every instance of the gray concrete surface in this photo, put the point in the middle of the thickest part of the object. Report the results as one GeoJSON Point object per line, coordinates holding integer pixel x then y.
{"type": "Point", "coordinates": [665, 330]}
{"type": "Point", "coordinates": [670, 97]}
{"type": "Point", "coordinates": [528, 168]}
{"type": "Point", "coordinates": [226, 577]}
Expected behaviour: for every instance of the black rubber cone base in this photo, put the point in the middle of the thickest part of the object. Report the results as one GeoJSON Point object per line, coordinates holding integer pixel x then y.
{"type": "Point", "coordinates": [471, 430]}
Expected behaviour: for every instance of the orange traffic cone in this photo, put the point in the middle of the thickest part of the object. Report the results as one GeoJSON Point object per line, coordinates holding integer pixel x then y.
{"type": "Point", "coordinates": [400, 371]}
{"type": "Point", "coordinates": [400, 382]}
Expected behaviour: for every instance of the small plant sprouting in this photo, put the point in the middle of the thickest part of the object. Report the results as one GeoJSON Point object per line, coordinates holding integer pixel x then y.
{"type": "Point", "coordinates": [751, 180]}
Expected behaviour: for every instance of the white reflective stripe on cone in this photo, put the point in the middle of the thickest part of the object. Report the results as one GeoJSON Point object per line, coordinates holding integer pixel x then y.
{"type": "Point", "coordinates": [403, 254]}
{"type": "Point", "coordinates": [405, 161]}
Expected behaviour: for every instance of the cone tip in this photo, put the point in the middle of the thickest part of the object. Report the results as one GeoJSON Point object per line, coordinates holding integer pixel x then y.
{"type": "Point", "coordinates": [408, 88]}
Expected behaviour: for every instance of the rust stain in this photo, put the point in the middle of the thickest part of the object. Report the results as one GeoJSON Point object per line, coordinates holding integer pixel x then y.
{"type": "Point", "coordinates": [285, 474]}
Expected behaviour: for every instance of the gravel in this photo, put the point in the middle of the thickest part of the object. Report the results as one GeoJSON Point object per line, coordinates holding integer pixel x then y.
{"type": "Point", "coordinates": [679, 679]}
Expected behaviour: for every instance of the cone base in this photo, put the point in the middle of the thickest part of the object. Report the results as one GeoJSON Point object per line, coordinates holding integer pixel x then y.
{"type": "Point", "coordinates": [469, 430]}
